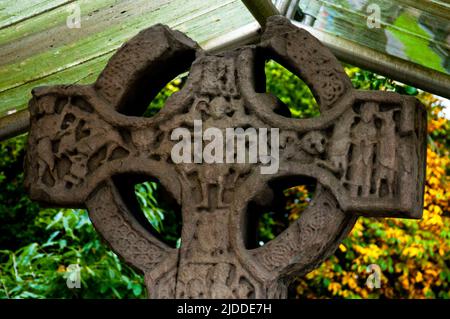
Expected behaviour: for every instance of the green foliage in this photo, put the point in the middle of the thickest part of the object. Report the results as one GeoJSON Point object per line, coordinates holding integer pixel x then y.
{"type": "Point", "coordinates": [19, 225]}
{"type": "Point", "coordinates": [364, 80]}
{"type": "Point", "coordinates": [38, 270]}
{"type": "Point", "coordinates": [291, 90]}
{"type": "Point", "coordinates": [149, 205]}
{"type": "Point", "coordinates": [161, 216]}
{"type": "Point", "coordinates": [159, 100]}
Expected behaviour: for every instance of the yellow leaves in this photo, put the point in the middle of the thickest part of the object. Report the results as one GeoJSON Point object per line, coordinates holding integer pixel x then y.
{"type": "Point", "coordinates": [435, 220]}
{"type": "Point", "coordinates": [412, 251]}
{"type": "Point", "coordinates": [435, 209]}
{"type": "Point", "coordinates": [297, 201]}
{"type": "Point", "coordinates": [342, 248]}
{"type": "Point", "coordinates": [404, 281]}
{"type": "Point", "coordinates": [431, 272]}
{"type": "Point", "coordinates": [433, 181]}
{"type": "Point", "coordinates": [439, 171]}
{"type": "Point", "coordinates": [293, 216]}
{"type": "Point", "coordinates": [396, 233]}
{"type": "Point", "coordinates": [174, 85]}
{"type": "Point", "coordinates": [61, 268]}
{"type": "Point", "coordinates": [436, 166]}
{"type": "Point", "coordinates": [425, 290]}
{"type": "Point", "coordinates": [432, 218]}
{"type": "Point", "coordinates": [431, 194]}
{"type": "Point", "coordinates": [369, 253]}
{"type": "Point", "coordinates": [437, 195]}
{"type": "Point", "coordinates": [364, 294]}
{"type": "Point", "coordinates": [398, 267]}
{"type": "Point", "coordinates": [351, 71]}
{"type": "Point", "coordinates": [419, 283]}
{"type": "Point", "coordinates": [358, 229]}
{"type": "Point", "coordinates": [436, 124]}
{"type": "Point", "coordinates": [419, 277]}
{"type": "Point", "coordinates": [389, 292]}
{"type": "Point", "coordinates": [334, 287]}
{"type": "Point", "coordinates": [349, 279]}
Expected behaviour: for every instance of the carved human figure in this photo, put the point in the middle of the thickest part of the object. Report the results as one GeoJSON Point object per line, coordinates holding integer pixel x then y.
{"type": "Point", "coordinates": [339, 146]}
{"type": "Point", "coordinates": [45, 133]}
{"type": "Point", "coordinates": [386, 153]}
{"type": "Point", "coordinates": [364, 138]}
{"type": "Point", "coordinates": [208, 175]}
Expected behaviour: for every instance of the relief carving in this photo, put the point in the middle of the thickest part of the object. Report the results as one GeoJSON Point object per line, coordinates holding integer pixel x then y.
{"type": "Point", "coordinates": [88, 143]}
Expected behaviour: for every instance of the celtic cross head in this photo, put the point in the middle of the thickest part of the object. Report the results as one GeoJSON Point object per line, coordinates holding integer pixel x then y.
{"type": "Point", "coordinates": [89, 144]}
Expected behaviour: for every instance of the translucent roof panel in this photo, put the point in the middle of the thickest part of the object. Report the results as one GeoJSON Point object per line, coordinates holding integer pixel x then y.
{"type": "Point", "coordinates": [41, 45]}
{"type": "Point", "coordinates": [414, 30]}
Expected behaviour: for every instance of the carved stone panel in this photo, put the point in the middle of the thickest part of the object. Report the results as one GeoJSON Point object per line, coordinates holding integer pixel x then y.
{"type": "Point", "coordinates": [366, 152]}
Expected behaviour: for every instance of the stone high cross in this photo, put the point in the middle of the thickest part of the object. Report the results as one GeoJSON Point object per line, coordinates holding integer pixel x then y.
{"type": "Point", "coordinates": [89, 145]}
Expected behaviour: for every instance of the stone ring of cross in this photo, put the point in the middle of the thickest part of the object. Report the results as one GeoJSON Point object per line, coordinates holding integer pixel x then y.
{"type": "Point", "coordinates": [89, 145]}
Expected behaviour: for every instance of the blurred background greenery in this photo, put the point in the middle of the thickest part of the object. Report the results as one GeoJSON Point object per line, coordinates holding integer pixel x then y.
{"type": "Point", "coordinates": [38, 244]}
